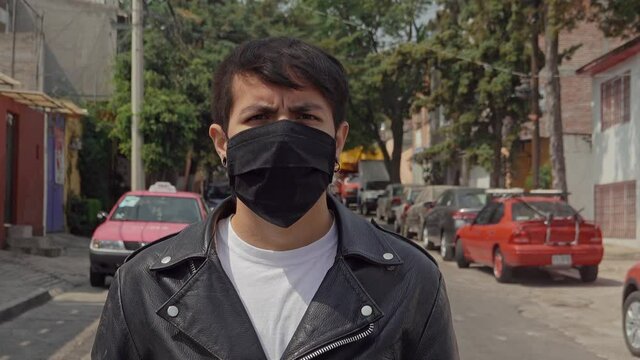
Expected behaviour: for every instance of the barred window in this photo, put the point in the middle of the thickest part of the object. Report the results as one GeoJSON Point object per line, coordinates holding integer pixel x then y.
{"type": "Point", "coordinates": [615, 205]}
{"type": "Point", "coordinates": [615, 96]}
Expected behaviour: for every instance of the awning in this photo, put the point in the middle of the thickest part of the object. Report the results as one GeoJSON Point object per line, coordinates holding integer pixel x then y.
{"type": "Point", "coordinates": [41, 100]}
{"type": "Point", "coordinates": [6, 80]}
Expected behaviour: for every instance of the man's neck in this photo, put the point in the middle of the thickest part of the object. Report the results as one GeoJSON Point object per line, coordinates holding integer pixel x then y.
{"type": "Point", "coordinates": [262, 234]}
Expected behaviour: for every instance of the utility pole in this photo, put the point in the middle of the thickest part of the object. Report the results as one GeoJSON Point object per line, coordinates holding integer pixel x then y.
{"type": "Point", "coordinates": [534, 115]}
{"type": "Point", "coordinates": [137, 95]}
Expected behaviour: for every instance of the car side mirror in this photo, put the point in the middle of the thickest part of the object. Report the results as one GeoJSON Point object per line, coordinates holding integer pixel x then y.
{"type": "Point", "coordinates": [102, 216]}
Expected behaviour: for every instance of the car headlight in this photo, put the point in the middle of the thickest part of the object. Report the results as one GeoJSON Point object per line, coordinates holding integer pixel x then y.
{"type": "Point", "coordinates": [107, 244]}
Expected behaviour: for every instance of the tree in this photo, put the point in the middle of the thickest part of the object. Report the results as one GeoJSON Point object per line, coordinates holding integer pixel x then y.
{"type": "Point", "coordinates": [480, 60]}
{"type": "Point", "coordinates": [380, 44]}
{"type": "Point", "coordinates": [558, 15]}
{"type": "Point", "coordinates": [617, 17]}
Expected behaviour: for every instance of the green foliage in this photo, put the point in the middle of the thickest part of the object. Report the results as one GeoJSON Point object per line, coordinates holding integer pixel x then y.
{"type": "Point", "coordinates": [82, 215]}
{"type": "Point", "coordinates": [617, 17]}
{"type": "Point", "coordinates": [545, 178]}
{"type": "Point", "coordinates": [480, 58]}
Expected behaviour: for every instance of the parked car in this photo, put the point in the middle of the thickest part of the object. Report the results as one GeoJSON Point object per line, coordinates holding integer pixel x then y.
{"type": "Point", "coordinates": [391, 197]}
{"type": "Point", "coordinates": [137, 219]}
{"type": "Point", "coordinates": [530, 231]}
{"type": "Point", "coordinates": [374, 178]}
{"type": "Point", "coordinates": [453, 209]}
{"type": "Point", "coordinates": [631, 310]}
{"type": "Point", "coordinates": [369, 194]}
{"type": "Point", "coordinates": [216, 193]}
{"type": "Point", "coordinates": [417, 212]}
{"type": "Point", "coordinates": [409, 195]}
{"type": "Point", "coordinates": [348, 189]}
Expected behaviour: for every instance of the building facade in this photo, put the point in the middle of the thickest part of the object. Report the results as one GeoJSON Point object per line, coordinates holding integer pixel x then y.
{"type": "Point", "coordinates": [616, 139]}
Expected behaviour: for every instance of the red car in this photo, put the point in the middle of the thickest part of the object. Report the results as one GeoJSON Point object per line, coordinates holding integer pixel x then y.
{"type": "Point", "coordinates": [137, 219]}
{"type": "Point", "coordinates": [349, 189]}
{"type": "Point", "coordinates": [530, 231]}
{"type": "Point", "coordinates": [631, 310]}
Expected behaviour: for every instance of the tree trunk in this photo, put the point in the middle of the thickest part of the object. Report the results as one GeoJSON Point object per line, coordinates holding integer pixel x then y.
{"type": "Point", "coordinates": [552, 98]}
{"type": "Point", "coordinates": [397, 130]}
{"type": "Point", "coordinates": [534, 115]}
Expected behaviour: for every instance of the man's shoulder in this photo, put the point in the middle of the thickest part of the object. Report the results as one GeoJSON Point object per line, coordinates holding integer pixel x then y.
{"type": "Point", "coordinates": [415, 258]}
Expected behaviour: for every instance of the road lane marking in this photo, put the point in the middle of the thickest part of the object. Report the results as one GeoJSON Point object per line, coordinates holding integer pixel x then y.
{"type": "Point", "coordinates": [67, 349]}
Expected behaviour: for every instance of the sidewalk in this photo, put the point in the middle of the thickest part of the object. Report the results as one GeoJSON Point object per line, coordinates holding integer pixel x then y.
{"type": "Point", "coordinates": [27, 281]}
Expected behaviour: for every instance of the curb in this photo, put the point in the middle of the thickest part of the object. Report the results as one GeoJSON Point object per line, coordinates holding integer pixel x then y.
{"type": "Point", "coordinates": [19, 306]}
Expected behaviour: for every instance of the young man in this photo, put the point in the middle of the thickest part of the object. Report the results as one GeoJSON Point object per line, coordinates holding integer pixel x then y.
{"type": "Point", "coordinates": [281, 270]}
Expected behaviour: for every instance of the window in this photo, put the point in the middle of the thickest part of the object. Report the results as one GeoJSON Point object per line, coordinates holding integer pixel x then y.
{"type": "Point", "coordinates": [446, 199]}
{"type": "Point", "coordinates": [158, 209]}
{"type": "Point", "coordinates": [472, 200]}
{"type": "Point", "coordinates": [527, 212]}
{"type": "Point", "coordinates": [616, 209]}
{"type": "Point", "coordinates": [484, 217]}
{"type": "Point", "coordinates": [497, 214]}
{"type": "Point", "coordinates": [615, 96]}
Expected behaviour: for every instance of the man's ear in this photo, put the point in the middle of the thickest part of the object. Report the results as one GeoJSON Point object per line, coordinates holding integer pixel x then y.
{"type": "Point", "coordinates": [219, 140]}
{"type": "Point", "coordinates": [341, 137]}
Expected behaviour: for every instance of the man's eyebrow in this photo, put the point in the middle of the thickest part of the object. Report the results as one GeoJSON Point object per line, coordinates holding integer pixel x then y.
{"type": "Point", "coordinates": [306, 106]}
{"type": "Point", "coordinates": [258, 109]}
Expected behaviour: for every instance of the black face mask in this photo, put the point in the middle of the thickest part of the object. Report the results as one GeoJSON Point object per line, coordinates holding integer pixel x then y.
{"type": "Point", "coordinates": [280, 170]}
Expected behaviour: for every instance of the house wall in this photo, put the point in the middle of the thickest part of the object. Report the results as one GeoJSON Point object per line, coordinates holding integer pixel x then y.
{"type": "Point", "coordinates": [29, 180]}
{"type": "Point", "coordinates": [616, 150]}
{"type": "Point", "coordinates": [579, 159]}
{"type": "Point", "coordinates": [479, 177]}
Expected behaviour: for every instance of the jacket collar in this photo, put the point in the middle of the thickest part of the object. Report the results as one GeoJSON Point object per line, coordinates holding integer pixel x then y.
{"type": "Point", "coordinates": [357, 238]}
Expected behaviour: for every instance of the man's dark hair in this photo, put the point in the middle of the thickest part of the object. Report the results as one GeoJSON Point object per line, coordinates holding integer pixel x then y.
{"type": "Point", "coordinates": [281, 61]}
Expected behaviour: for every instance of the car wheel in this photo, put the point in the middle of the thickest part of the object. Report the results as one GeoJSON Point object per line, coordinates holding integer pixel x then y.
{"type": "Point", "coordinates": [631, 322]}
{"type": "Point", "coordinates": [461, 260]}
{"type": "Point", "coordinates": [588, 273]}
{"type": "Point", "coordinates": [446, 249]}
{"type": "Point", "coordinates": [426, 241]}
{"type": "Point", "coordinates": [501, 271]}
{"type": "Point", "coordinates": [96, 279]}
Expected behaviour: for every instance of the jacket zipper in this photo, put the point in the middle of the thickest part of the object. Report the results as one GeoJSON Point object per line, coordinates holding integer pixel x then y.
{"type": "Point", "coordinates": [192, 267]}
{"type": "Point", "coordinates": [337, 344]}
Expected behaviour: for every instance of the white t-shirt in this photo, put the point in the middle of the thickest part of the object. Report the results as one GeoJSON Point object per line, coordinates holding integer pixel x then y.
{"type": "Point", "coordinates": [276, 287]}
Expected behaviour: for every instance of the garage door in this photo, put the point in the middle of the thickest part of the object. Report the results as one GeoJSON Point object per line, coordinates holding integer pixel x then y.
{"type": "Point", "coordinates": [615, 205]}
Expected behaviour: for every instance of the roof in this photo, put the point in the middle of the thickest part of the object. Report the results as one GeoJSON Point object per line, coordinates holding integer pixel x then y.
{"type": "Point", "coordinates": [612, 58]}
{"type": "Point", "coordinates": [39, 99]}
{"type": "Point", "coordinates": [179, 194]}
{"type": "Point", "coordinates": [6, 80]}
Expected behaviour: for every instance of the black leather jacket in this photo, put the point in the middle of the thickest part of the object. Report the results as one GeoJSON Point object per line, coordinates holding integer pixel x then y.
{"type": "Point", "coordinates": [173, 300]}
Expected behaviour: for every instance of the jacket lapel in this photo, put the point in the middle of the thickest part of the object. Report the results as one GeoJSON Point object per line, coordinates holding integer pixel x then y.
{"type": "Point", "coordinates": [335, 312]}
{"type": "Point", "coordinates": [211, 313]}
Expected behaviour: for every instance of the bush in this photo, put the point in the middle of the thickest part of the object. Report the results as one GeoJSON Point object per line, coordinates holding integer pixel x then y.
{"type": "Point", "coordinates": [82, 215]}
{"type": "Point", "coordinates": [546, 178]}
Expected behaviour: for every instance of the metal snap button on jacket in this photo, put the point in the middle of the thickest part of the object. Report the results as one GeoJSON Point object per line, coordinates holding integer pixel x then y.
{"type": "Point", "coordinates": [172, 311]}
{"type": "Point", "coordinates": [387, 256]}
{"type": "Point", "coordinates": [165, 259]}
{"type": "Point", "coordinates": [366, 310]}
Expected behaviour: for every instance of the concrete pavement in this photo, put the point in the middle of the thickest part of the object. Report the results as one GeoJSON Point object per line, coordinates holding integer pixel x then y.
{"type": "Point", "coordinates": [27, 281]}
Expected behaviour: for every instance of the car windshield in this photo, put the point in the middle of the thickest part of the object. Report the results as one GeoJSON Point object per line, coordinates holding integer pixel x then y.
{"type": "Point", "coordinates": [472, 200]}
{"type": "Point", "coordinates": [531, 210]}
{"type": "Point", "coordinates": [166, 209]}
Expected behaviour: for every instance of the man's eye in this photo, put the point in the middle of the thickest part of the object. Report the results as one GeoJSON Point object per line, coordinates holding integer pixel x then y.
{"type": "Point", "coordinates": [259, 117]}
{"type": "Point", "coordinates": [307, 117]}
